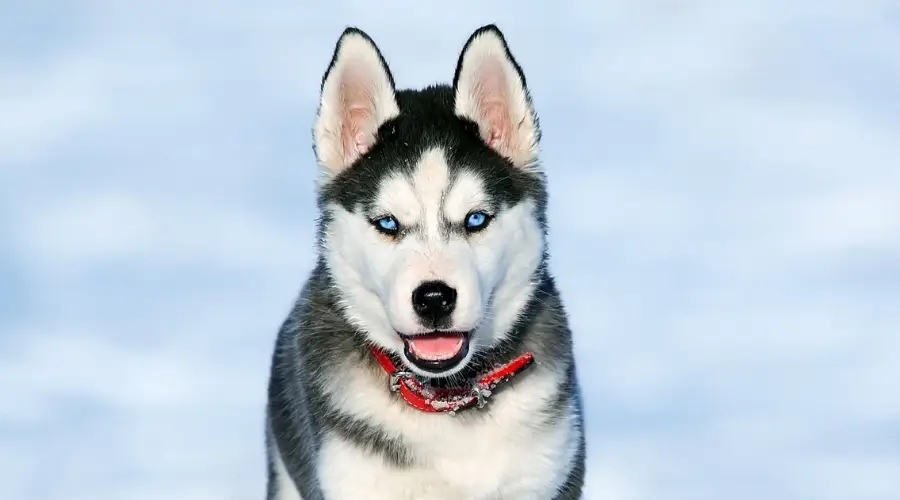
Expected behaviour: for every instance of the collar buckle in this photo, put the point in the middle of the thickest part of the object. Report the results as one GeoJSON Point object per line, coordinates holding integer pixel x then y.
{"type": "Point", "coordinates": [481, 395]}
{"type": "Point", "coordinates": [396, 377]}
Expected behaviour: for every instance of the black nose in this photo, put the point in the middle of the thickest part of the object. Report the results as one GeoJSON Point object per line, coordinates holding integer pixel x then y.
{"type": "Point", "coordinates": [433, 301]}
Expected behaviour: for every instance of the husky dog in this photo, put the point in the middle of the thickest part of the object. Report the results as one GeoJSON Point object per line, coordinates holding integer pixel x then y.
{"type": "Point", "coordinates": [428, 356]}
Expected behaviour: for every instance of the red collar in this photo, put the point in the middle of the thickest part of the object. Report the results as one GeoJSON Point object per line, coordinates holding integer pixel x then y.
{"type": "Point", "coordinates": [434, 400]}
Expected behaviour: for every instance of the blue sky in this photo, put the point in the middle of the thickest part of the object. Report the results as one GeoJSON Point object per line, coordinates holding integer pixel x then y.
{"type": "Point", "coordinates": [725, 210]}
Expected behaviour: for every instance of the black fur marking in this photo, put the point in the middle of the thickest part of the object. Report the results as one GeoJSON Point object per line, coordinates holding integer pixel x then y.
{"type": "Point", "coordinates": [571, 489]}
{"type": "Point", "coordinates": [372, 439]}
{"type": "Point", "coordinates": [426, 121]}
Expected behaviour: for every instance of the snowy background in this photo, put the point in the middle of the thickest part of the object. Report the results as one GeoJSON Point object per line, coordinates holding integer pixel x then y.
{"type": "Point", "coordinates": [725, 209]}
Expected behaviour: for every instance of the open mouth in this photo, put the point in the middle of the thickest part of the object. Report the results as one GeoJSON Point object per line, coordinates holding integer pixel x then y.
{"type": "Point", "coordinates": [437, 351]}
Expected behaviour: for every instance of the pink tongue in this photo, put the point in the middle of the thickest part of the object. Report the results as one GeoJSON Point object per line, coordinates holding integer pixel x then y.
{"type": "Point", "coordinates": [435, 347]}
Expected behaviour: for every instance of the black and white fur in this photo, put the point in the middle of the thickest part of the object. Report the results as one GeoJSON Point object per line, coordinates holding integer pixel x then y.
{"type": "Point", "coordinates": [428, 158]}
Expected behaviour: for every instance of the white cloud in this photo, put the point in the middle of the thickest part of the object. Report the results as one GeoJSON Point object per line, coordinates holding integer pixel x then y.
{"type": "Point", "coordinates": [44, 111]}
{"type": "Point", "coordinates": [97, 228]}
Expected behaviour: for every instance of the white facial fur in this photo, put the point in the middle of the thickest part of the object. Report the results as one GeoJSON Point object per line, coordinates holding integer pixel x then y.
{"type": "Point", "coordinates": [490, 269]}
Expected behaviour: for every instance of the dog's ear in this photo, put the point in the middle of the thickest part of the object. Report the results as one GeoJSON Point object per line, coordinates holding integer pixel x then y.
{"type": "Point", "coordinates": [490, 90]}
{"type": "Point", "coordinates": [357, 97]}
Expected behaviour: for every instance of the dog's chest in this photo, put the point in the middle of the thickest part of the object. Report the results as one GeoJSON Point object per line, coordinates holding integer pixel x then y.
{"type": "Point", "coordinates": [512, 453]}
{"type": "Point", "coordinates": [500, 461]}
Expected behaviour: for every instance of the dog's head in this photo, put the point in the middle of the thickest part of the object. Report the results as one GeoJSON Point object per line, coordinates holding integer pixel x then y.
{"type": "Point", "coordinates": [432, 201]}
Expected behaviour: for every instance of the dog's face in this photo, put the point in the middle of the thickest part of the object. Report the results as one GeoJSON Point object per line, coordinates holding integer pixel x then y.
{"type": "Point", "coordinates": [432, 201]}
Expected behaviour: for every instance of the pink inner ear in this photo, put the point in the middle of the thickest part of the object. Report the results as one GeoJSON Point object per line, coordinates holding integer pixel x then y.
{"type": "Point", "coordinates": [354, 136]}
{"type": "Point", "coordinates": [497, 134]}
{"type": "Point", "coordinates": [358, 115]}
{"type": "Point", "coordinates": [353, 133]}
{"type": "Point", "coordinates": [493, 104]}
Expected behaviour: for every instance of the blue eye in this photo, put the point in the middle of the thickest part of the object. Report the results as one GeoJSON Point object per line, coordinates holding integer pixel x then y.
{"type": "Point", "coordinates": [387, 225]}
{"type": "Point", "coordinates": [476, 221]}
